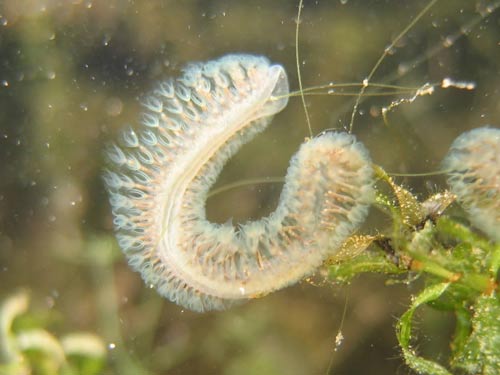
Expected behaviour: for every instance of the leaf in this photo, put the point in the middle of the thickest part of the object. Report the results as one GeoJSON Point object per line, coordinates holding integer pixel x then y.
{"type": "Point", "coordinates": [480, 352]}
{"type": "Point", "coordinates": [434, 206]}
{"type": "Point", "coordinates": [375, 262]}
{"type": "Point", "coordinates": [403, 332]}
{"type": "Point", "coordinates": [351, 247]}
{"type": "Point", "coordinates": [412, 212]}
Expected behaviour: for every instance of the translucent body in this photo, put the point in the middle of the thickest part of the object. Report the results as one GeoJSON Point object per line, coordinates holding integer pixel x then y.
{"type": "Point", "coordinates": [474, 164]}
{"type": "Point", "coordinates": [161, 176]}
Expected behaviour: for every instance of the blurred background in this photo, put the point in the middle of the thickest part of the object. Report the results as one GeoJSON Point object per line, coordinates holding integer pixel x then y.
{"type": "Point", "coordinates": [70, 76]}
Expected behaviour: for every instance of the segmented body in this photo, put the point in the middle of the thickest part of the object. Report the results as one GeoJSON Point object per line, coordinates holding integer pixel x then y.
{"type": "Point", "coordinates": [160, 177]}
{"type": "Point", "coordinates": [474, 176]}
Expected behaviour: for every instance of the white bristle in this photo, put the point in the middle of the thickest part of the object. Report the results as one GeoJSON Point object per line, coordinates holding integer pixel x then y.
{"type": "Point", "coordinates": [160, 179]}
{"type": "Point", "coordinates": [474, 177]}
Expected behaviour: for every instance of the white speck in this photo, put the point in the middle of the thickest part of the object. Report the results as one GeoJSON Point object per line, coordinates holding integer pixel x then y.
{"type": "Point", "coordinates": [338, 340]}
{"type": "Point", "coordinates": [464, 85]}
{"type": "Point", "coordinates": [129, 71]}
{"type": "Point", "coordinates": [4, 83]}
{"type": "Point", "coordinates": [105, 40]}
{"type": "Point", "coordinates": [242, 290]}
{"type": "Point", "coordinates": [111, 346]}
{"type": "Point", "coordinates": [448, 41]}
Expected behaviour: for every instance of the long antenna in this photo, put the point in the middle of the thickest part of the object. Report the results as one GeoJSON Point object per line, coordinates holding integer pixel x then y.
{"type": "Point", "coordinates": [366, 81]}
{"type": "Point", "coordinates": [299, 76]}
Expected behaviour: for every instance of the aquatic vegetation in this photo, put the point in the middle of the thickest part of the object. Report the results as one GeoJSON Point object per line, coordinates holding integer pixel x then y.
{"type": "Point", "coordinates": [158, 189]}
{"type": "Point", "coordinates": [217, 266]}
{"type": "Point", "coordinates": [460, 269]}
{"type": "Point", "coordinates": [70, 77]}
{"type": "Point", "coordinates": [26, 348]}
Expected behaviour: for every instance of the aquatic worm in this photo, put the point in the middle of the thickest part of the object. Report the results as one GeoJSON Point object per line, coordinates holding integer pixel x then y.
{"type": "Point", "coordinates": [160, 176]}
{"type": "Point", "coordinates": [473, 162]}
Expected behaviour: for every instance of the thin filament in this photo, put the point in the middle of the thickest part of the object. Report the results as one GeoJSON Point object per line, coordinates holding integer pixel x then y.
{"type": "Point", "coordinates": [382, 57]}
{"type": "Point", "coordinates": [281, 180]}
{"type": "Point", "coordinates": [299, 77]}
{"type": "Point", "coordinates": [246, 182]}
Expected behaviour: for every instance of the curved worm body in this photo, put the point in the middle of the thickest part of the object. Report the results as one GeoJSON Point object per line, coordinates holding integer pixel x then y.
{"type": "Point", "coordinates": [161, 175]}
{"type": "Point", "coordinates": [474, 177]}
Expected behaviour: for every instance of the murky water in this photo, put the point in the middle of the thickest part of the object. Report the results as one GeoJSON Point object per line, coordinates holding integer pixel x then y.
{"type": "Point", "coordinates": [70, 77]}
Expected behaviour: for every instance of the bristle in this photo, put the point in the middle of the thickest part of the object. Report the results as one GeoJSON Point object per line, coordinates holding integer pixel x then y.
{"type": "Point", "coordinates": [160, 177]}
{"type": "Point", "coordinates": [474, 177]}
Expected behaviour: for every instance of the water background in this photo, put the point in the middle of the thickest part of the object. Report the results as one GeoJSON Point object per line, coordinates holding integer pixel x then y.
{"type": "Point", "coordinates": [70, 76]}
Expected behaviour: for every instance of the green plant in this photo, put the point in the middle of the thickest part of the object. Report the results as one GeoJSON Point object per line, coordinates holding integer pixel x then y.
{"type": "Point", "coordinates": [26, 348]}
{"type": "Point", "coordinates": [458, 267]}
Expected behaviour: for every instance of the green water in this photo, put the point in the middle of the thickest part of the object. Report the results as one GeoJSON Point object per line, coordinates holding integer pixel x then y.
{"type": "Point", "coordinates": [70, 77]}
